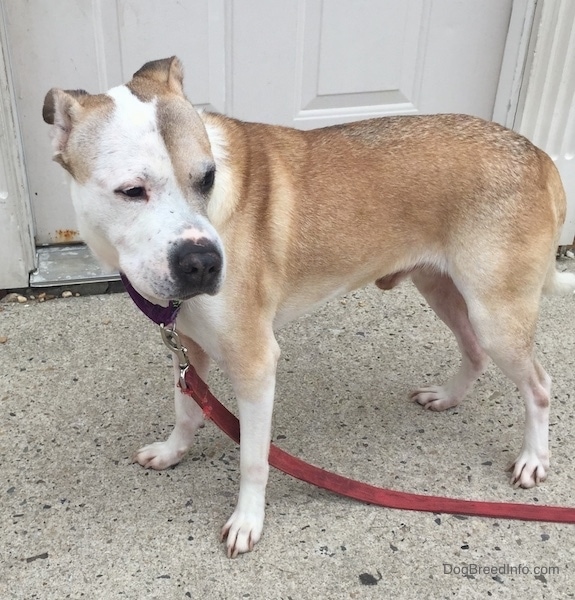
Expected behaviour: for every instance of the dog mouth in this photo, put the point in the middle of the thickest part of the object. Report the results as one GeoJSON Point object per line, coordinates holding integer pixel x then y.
{"type": "Point", "coordinates": [170, 289]}
{"type": "Point", "coordinates": [188, 296]}
{"type": "Point", "coordinates": [165, 291]}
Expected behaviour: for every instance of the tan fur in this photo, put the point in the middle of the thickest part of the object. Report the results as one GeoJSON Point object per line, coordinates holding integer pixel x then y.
{"type": "Point", "coordinates": [73, 107]}
{"type": "Point", "coordinates": [386, 196]}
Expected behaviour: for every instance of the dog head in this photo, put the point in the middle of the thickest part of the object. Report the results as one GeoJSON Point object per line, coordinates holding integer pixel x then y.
{"type": "Point", "coordinates": [142, 173]}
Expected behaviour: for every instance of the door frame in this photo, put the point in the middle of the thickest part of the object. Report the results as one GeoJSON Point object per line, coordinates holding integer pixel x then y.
{"type": "Point", "coordinates": [18, 257]}
{"type": "Point", "coordinates": [17, 252]}
{"type": "Point", "coordinates": [517, 59]}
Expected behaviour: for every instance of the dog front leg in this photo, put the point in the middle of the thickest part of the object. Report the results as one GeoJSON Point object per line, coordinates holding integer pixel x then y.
{"type": "Point", "coordinates": [255, 396]}
{"type": "Point", "coordinates": [189, 417]}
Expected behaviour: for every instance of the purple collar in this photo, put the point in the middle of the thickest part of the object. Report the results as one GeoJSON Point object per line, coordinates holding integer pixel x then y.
{"type": "Point", "coordinates": [161, 315]}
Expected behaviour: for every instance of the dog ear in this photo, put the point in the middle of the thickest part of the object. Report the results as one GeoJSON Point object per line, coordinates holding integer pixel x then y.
{"type": "Point", "coordinates": [168, 71]}
{"type": "Point", "coordinates": [61, 109]}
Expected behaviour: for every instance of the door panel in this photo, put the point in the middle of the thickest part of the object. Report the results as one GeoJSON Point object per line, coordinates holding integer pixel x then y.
{"type": "Point", "coordinates": [334, 61]}
{"type": "Point", "coordinates": [350, 72]}
{"type": "Point", "coordinates": [463, 56]}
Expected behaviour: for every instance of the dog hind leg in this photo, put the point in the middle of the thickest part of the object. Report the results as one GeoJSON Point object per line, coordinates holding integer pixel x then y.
{"type": "Point", "coordinates": [444, 298]}
{"type": "Point", "coordinates": [498, 323]}
{"type": "Point", "coordinates": [189, 417]}
{"type": "Point", "coordinates": [531, 466]}
{"type": "Point", "coordinates": [506, 332]}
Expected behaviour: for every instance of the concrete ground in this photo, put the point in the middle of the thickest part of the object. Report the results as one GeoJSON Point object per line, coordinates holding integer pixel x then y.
{"type": "Point", "coordinates": [85, 381]}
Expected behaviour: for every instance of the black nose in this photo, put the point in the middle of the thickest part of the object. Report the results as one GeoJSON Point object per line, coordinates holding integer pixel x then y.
{"type": "Point", "coordinates": [196, 267]}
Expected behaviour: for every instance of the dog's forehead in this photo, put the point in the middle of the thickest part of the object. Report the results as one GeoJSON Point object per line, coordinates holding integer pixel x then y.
{"type": "Point", "coordinates": [127, 144]}
{"type": "Point", "coordinates": [154, 128]}
{"type": "Point", "coordinates": [131, 117]}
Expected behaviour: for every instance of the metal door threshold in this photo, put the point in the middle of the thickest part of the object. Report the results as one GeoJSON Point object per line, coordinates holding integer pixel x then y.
{"type": "Point", "coordinates": [68, 265]}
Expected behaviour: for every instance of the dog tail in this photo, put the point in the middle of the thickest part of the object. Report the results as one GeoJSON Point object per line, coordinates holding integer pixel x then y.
{"type": "Point", "coordinates": [556, 283]}
{"type": "Point", "coordinates": [559, 284]}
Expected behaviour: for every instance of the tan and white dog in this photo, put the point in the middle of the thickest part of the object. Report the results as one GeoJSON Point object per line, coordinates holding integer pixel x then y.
{"type": "Point", "coordinates": [253, 225]}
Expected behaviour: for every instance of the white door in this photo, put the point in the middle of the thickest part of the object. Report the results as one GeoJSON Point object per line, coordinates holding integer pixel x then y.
{"type": "Point", "coordinates": [304, 63]}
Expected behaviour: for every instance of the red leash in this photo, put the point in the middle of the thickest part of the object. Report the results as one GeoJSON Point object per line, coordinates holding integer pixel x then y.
{"type": "Point", "coordinates": [228, 423]}
{"type": "Point", "coordinates": [193, 386]}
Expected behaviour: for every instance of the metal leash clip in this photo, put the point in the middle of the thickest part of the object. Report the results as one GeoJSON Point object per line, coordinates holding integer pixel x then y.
{"type": "Point", "coordinates": [172, 340]}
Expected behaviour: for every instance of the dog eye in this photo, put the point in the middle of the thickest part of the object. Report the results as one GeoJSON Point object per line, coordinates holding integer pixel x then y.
{"type": "Point", "coordinates": [134, 192]}
{"type": "Point", "coordinates": [207, 181]}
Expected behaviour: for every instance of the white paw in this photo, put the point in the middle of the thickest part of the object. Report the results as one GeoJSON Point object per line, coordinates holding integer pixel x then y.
{"type": "Point", "coordinates": [243, 530]}
{"type": "Point", "coordinates": [528, 470]}
{"type": "Point", "coordinates": [159, 455]}
{"type": "Point", "coordinates": [435, 397]}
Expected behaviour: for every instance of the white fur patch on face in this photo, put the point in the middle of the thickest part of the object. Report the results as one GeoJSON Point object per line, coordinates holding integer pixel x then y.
{"type": "Point", "coordinates": [138, 235]}
{"type": "Point", "coordinates": [133, 137]}
{"type": "Point", "coordinates": [130, 111]}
